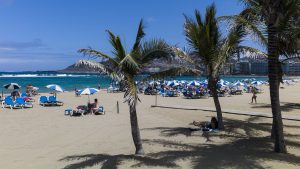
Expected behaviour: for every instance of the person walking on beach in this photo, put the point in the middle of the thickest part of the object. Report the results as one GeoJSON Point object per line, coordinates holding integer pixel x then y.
{"type": "Point", "coordinates": [254, 92]}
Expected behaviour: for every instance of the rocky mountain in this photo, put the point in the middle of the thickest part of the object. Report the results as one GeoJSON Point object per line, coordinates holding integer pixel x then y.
{"type": "Point", "coordinates": [156, 66]}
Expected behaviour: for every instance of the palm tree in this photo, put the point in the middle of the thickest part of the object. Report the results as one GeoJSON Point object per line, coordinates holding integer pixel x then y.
{"type": "Point", "coordinates": [276, 25]}
{"type": "Point", "coordinates": [124, 67]}
{"type": "Point", "coordinates": [208, 45]}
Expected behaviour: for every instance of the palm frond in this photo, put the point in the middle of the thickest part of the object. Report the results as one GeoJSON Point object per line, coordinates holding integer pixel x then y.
{"type": "Point", "coordinates": [95, 53]}
{"type": "Point", "coordinates": [131, 91]}
{"type": "Point", "coordinates": [118, 49]}
{"type": "Point", "coordinates": [155, 49]}
{"type": "Point", "coordinates": [130, 64]}
{"type": "Point", "coordinates": [250, 52]}
{"type": "Point", "coordinates": [256, 30]}
{"type": "Point", "coordinates": [139, 36]}
{"type": "Point", "coordinates": [96, 66]}
{"type": "Point", "coordinates": [183, 55]}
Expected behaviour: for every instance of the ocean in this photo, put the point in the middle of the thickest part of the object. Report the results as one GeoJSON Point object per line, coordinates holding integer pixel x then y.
{"type": "Point", "coordinates": [71, 81]}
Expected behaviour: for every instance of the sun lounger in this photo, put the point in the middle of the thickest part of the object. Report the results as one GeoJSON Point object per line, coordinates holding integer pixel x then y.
{"type": "Point", "coordinates": [100, 111]}
{"type": "Point", "coordinates": [22, 103]}
{"type": "Point", "coordinates": [8, 102]}
{"type": "Point", "coordinates": [52, 100]}
{"type": "Point", "coordinates": [44, 101]}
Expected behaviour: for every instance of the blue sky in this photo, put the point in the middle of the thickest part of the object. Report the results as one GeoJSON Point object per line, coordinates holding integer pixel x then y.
{"type": "Point", "coordinates": [46, 34]}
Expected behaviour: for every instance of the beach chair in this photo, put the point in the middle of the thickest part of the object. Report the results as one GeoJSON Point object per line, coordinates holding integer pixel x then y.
{"type": "Point", "coordinates": [8, 102]}
{"type": "Point", "coordinates": [22, 103]}
{"type": "Point", "coordinates": [27, 98]}
{"type": "Point", "coordinates": [44, 101]}
{"type": "Point", "coordinates": [52, 100]}
{"type": "Point", "coordinates": [100, 111]}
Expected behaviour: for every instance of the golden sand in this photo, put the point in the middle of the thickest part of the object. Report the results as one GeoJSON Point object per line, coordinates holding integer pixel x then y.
{"type": "Point", "coordinates": [43, 137]}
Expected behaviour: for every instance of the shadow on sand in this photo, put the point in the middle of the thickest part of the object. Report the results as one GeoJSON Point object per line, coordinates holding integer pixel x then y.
{"type": "Point", "coordinates": [245, 148]}
{"type": "Point", "coordinates": [285, 106]}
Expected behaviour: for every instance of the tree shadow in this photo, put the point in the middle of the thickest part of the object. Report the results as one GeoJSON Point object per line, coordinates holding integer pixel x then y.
{"type": "Point", "coordinates": [246, 147]}
{"type": "Point", "coordinates": [173, 131]}
{"type": "Point", "coordinates": [285, 106]}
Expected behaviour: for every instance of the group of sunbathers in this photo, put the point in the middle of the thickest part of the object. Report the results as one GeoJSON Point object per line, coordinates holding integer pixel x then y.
{"type": "Point", "coordinates": [90, 108]}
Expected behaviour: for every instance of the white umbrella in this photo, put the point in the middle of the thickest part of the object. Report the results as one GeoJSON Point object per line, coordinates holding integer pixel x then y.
{"type": "Point", "coordinates": [238, 83]}
{"type": "Point", "coordinates": [88, 91]}
{"type": "Point", "coordinates": [55, 87]}
{"type": "Point", "coordinates": [172, 83]}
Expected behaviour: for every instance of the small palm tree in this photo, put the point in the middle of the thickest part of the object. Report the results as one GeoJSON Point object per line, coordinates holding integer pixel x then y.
{"type": "Point", "coordinates": [208, 45]}
{"type": "Point", "coordinates": [276, 25]}
{"type": "Point", "coordinates": [124, 67]}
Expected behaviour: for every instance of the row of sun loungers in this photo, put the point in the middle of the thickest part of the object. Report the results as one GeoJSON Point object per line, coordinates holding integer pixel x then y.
{"type": "Point", "coordinates": [18, 103]}
{"type": "Point", "coordinates": [51, 101]}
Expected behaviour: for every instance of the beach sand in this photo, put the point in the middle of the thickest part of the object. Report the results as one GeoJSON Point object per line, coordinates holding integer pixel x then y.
{"type": "Point", "coordinates": [43, 137]}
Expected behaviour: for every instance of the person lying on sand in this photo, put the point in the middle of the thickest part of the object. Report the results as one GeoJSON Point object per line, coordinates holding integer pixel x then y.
{"type": "Point", "coordinates": [206, 126]}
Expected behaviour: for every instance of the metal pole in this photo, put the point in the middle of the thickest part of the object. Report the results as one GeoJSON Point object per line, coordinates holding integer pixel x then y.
{"type": "Point", "coordinates": [156, 99]}
{"type": "Point", "coordinates": [118, 111]}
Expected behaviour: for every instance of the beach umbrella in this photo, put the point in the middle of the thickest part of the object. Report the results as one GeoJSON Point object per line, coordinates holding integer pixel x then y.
{"type": "Point", "coordinates": [12, 86]}
{"type": "Point", "coordinates": [88, 91]}
{"type": "Point", "coordinates": [238, 83]}
{"type": "Point", "coordinates": [203, 82]}
{"type": "Point", "coordinates": [183, 82]}
{"type": "Point", "coordinates": [35, 88]}
{"type": "Point", "coordinates": [172, 83]}
{"type": "Point", "coordinates": [55, 87]}
{"type": "Point", "coordinates": [256, 83]}
{"type": "Point", "coordinates": [194, 83]}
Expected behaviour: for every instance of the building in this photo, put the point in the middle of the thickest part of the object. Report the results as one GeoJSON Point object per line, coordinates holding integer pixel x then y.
{"type": "Point", "coordinates": [242, 68]}
{"type": "Point", "coordinates": [293, 68]}
{"type": "Point", "coordinates": [259, 68]}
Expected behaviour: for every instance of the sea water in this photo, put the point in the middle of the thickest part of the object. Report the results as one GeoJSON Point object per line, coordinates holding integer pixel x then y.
{"type": "Point", "coordinates": [79, 81]}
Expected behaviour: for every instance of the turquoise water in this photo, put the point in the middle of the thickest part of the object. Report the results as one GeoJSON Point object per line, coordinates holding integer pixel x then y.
{"type": "Point", "coordinates": [71, 81]}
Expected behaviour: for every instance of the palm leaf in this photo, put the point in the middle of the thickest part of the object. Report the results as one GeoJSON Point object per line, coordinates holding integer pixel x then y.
{"type": "Point", "coordinates": [139, 36]}
{"type": "Point", "coordinates": [131, 91]}
{"type": "Point", "coordinates": [96, 66]}
{"type": "Point", "coordinates": [155, 49]}
{"type": "Point", "coordinates": [118, 49]}
{"type": "Point", "coordinates": [95, 53]}
{"type": "Point", "coordinates": [130, 64]}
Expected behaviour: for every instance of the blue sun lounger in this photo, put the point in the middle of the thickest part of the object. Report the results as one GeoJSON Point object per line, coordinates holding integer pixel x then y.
{"type": "Point", "coordinates": [8, 102]}
{"type": "Point", "coordinates": [22, 103]}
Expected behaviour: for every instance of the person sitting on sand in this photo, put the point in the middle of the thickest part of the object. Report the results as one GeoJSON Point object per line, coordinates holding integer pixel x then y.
{"type": "Point", "coordinates": [93, 107]}
{"type": "Point", "coordinates": [206, 126]}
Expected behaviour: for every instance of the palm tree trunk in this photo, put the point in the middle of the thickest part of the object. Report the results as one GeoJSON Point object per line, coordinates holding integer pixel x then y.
{"type": "Point", "coordinates": [273, 60]}
{"type": "Point", "coordinates": [135, 131]}
{"type": "Point", "coordinates": [213, 89]}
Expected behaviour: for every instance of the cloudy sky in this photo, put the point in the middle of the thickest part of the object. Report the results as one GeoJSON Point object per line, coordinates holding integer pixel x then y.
{"type": "Point", "coordinates": [45, 34]}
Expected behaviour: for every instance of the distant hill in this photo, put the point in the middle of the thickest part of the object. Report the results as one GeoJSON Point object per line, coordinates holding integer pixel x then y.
{"type": "Point", "coordinates": [77, 69]}
{"type": "Point", "coordinates": [156, 66]}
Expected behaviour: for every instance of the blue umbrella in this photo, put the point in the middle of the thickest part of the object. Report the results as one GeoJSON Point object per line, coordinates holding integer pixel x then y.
{"type": "Point", "coordinates": [257, 83]}
{"type": "Point", "coordinates": [194, 83]}
{"type": "Point", "coordinates": [172, 83]}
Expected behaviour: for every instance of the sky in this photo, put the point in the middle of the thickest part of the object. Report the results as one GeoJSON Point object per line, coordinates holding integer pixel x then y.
{"type": "Point", "coordinates": [46, 34]}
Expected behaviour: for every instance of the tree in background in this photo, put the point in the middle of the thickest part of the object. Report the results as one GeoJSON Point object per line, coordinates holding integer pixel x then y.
{"type": "Point", "coordinates": [124, 67]}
